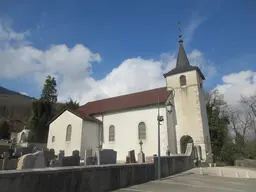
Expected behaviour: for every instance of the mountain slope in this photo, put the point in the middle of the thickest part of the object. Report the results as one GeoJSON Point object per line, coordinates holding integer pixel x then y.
{"type": "Point", "coordinates": [14, 105]}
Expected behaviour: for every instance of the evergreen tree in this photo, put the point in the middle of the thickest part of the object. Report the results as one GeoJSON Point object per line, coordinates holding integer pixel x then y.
{"type": "Point", "coordinates": [49, 92]}
{"type": "Point", "coordinates": [73, 105]}
{"type": "Point", "coordinates": [42, 114]}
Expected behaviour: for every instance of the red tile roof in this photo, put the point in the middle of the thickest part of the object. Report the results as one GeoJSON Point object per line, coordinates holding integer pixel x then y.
{"type": "Point", "coordinates": [129, 101]}
{"type": "Point", "coordinates": [80, 114]}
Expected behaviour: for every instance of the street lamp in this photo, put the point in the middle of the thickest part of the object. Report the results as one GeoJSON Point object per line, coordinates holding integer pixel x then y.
{"type": "Point", "coordinates": [169, 106]}
{"type": "Point", "coordinates": [160, 119]}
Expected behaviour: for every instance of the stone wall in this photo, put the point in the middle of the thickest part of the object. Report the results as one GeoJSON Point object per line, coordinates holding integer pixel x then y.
{"type": "Point", "coordinates": [246, 163]}
{"type": "Point", "coordinates": [171, 165]}
{"type": "Point", "coordinates": [91, 179]}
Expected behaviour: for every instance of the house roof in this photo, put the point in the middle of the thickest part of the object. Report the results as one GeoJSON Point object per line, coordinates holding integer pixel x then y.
{"type": "Point", "coordinates": [182, 63]}
{"type": "Point", "coordinates": [128, 101]}
{"type": "Point", "coordinates": [80, 114]}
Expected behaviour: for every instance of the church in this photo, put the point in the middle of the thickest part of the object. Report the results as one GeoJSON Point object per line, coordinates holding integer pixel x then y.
{"type": "Point", "coordinates": [121, 123]}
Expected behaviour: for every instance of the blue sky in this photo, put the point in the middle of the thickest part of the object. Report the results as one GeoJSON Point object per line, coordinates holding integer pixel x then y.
{"type": "Point", "coordinates": [125, 32]}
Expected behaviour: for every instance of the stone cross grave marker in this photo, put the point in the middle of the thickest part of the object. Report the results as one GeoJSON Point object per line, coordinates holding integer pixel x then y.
{"type": "Point", "coordinates": [141, 155]}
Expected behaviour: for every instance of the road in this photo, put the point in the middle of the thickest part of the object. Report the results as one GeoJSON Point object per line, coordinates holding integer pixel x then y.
{"type": "Point", "coordinates": [190, 182]}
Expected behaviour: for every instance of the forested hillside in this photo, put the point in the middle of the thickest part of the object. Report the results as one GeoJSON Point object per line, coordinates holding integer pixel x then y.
{"type": "Point", "coordinates": [14, 105]}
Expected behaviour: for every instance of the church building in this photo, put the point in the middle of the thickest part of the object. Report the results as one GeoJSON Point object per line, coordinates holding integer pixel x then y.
{"type": "Point", "coordinates": [121, 122]}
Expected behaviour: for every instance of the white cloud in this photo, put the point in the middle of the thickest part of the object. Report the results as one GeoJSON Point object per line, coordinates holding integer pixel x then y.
{"type": "Point", "coordinates": [24, 93]}
{"type": "Point", "coordinates": [237, 84]}
{"type": "Point", "coordinates": [72, 68]}
{"type": "Point", "coordinates": [191, 28]}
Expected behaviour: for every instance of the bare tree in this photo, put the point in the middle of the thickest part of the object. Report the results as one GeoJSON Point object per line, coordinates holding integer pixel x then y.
{"type": "Point", "coordinates": [250, 102]}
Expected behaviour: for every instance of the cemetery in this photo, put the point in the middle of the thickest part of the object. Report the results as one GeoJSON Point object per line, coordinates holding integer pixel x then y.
{"type": "Point", "coordinates": [41, 170]}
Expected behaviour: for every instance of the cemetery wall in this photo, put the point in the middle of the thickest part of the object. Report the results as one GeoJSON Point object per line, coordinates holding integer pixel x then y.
{"type": "Point", "coordinates": [90, 178]}
{"type": "Point", "coordinates": [246, 163]}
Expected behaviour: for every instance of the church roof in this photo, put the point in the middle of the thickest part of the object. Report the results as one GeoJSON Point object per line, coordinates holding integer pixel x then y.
{"type": "Point", "coordinates": [129, 101]}
{"type": "Point", "coordinates": [80, 114]}
{"type": "Point", "coordinates": [182, 63]}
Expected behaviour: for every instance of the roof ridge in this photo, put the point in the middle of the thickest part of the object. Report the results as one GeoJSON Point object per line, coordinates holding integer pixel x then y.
{"type": "Point", "coordinates": [123, 95]}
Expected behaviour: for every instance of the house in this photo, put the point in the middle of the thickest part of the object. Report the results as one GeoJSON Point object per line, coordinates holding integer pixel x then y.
{"type": "Point", "coordinates": [121, 122]}
{"type": "Point", "coordinates": [17, 130]}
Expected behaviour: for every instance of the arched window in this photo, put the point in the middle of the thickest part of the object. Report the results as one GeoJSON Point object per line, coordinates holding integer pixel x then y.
{"type": "Point", "coordinates": [53, 139]}
{"type": "Point", "coordinates": [142, 131]}
{"type": "Point", "coordinates": [111, 136]}
{"type": "Point", "coordinates": [183, 80]}
{"type": "Point", "coordinates": [68, 133]}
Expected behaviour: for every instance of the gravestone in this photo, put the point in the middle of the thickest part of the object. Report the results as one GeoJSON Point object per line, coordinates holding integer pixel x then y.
{"type": "Point", "coordinates": [106, 156]}
{"type": "Point", "coordinates": [73, 160]}
{"type": "Point", "coordinates": [141, 155]}
{"type": "Point", "coordinates": [61, 155]}
{"type": "Point", "coordinates": [88, 157]}
{"type": "Point", "coordinates": [75, 153]}
{"type": "Point", "coordinates": [31, 161]}
{"type": "Point", "coordinates": [55, 163]}
{"type": "Point", "coordinates": [48, 155]}
{"type": "Point", "coordinates": [131, 156]}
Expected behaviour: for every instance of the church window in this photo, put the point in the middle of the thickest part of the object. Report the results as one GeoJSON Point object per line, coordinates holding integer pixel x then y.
{"type": "Point", "coordinates": [68, 133]}
{"type": "Point", "coordinates": [53, 139]}
{"type": "Point", "coordinates": [111, 136]}
{"type": "Point", "coordinates": [183, 80]}
{"type": "Point", "coordinates": [142, 131]}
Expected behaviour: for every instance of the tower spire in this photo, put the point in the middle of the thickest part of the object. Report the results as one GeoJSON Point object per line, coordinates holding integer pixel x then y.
{"type": "Point", "coordinates": [182, 63]}
{"type": "Point", "coordinates": [182, 60]}
{"type": "Point", "coordinates": [180, 34]}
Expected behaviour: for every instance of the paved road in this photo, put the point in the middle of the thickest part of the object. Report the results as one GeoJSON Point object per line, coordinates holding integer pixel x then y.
{"type": "Point", "coordinates": [190, 182]}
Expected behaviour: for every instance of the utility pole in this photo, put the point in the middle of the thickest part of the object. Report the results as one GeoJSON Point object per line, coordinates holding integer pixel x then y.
{"type": "Point", "coordinates": [159, 147]}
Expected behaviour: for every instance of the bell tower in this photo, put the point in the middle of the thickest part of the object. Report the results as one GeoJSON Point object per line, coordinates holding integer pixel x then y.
{"type": "Point", "coordinates": [189, 102]}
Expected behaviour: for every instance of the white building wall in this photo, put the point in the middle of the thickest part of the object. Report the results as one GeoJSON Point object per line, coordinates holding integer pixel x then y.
{"type": "Point", "coordinates": [58, 129]}
{"type": "Point", "coordinates": [126, 131]}
{"type": "Point", "coordinates": [90, 137]}
{"type": "Point", "coordinates": [188, 104]}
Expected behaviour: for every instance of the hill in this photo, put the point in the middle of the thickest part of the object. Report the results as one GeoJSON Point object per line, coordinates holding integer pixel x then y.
{"type": "Point", "coordinates": [14, 105]}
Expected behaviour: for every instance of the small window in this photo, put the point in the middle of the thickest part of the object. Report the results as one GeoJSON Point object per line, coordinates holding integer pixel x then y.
{"type": "Point", "coordinates": [68, 133]}
{"type": "Point", "coordinates": [111, 136]}
{"type": "Point", "coordinates": [142, 131]}
{"type": "Point", "coordinates": [183, 80]}
{"type": "Point", "coordinates": [53, 139]}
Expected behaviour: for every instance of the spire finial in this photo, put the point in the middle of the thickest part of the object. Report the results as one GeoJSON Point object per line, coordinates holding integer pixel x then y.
{"type": "Point", "coordinates": [180, 34]}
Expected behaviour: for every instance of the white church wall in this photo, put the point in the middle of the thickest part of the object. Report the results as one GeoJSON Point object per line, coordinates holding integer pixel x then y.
{"type": "Point", "coordinates": [126, 131]}
{"type": "Point", "coordinates": [58, 129]}
{"type": "Point", "coordinates": [205, 122]}
{"type": "Point", "coordinates": [90, 137]}
{"type": "Point", "coordinates": [171, 123]}
{"type": "Point", "coordinates": [188, 110]}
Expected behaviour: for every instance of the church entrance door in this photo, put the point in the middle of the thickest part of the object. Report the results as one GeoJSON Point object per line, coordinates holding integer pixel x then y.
{"type": "Point", "coordinates": [184, 140]}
